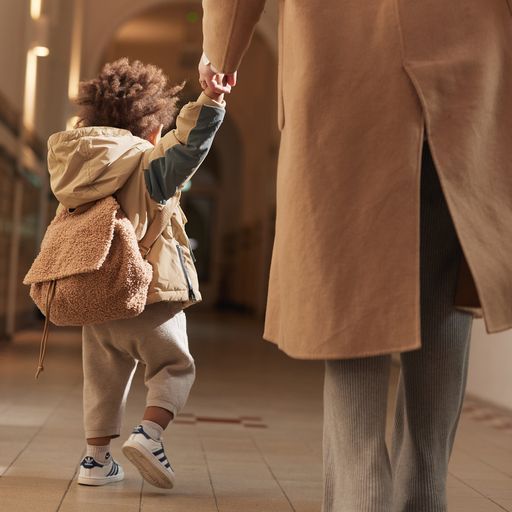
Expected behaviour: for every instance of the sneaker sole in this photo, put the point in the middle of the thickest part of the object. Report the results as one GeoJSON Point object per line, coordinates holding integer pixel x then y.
{"type": "Point", "coordinates": [87, 480]}
{"type": "Point", "coordinates": [149, 469]}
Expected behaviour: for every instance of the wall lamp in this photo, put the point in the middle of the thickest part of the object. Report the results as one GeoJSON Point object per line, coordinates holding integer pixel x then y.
{"type": "Point", "coordinates": [41, 51]}
{"type": "Point", "coordinates": [40, 36]}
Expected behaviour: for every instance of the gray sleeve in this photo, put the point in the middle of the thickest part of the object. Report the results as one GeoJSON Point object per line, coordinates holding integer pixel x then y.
{"type": "Point", "coordinates": [167, 174]}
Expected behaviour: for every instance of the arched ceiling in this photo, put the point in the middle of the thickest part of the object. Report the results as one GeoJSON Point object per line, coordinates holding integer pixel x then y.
{"type": "Point", "coordinates": [168, 34]}
{"type": "Point", "coordinates": [102, 19]}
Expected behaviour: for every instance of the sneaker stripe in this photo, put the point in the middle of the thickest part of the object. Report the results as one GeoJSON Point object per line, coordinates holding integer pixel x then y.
{"type": "Point", "coordinates": [140, 430]}
{"type": "Point", "coordinates": [162, 458]}
{"type": "Point", "coordinates": [113, 469]}
{"type": "Point", "coordinates": [158, 452]}
{"type": "Point", "coordinates": [116, 468]}
{"type": "Point", "coordinates": [90, 463]}
{"type": "Point", "coordinates": [167, 465]}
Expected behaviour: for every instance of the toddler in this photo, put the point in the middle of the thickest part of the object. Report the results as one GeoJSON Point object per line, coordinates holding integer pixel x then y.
{"type": "Point", "coordinates": [118, 149]}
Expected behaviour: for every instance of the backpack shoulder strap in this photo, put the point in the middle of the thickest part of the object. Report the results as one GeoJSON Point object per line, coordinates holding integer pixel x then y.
{"type": "Point", "coordinates": [156, 228]}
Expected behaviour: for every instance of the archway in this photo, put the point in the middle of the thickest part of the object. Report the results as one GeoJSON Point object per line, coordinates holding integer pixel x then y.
{"type": "Point", "coordinates": [102, 19]}
{"type": "Point", "coordinates": [243, 158]}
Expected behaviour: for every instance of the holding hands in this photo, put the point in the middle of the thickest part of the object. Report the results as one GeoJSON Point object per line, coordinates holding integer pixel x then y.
{"type": "Point", "coordinates": [213, 83]}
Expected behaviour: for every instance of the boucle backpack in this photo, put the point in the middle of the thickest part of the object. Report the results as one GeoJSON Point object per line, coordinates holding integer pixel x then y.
{"type": "Point", "coordinates": [90, 268]}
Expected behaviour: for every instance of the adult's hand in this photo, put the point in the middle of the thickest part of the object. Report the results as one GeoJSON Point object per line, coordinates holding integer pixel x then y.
{"type": "Point", "coordinates": [209, 77]}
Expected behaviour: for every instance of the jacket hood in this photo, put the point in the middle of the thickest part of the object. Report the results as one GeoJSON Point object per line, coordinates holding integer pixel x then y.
{"type": "Point", "coordinates": [87, 164]}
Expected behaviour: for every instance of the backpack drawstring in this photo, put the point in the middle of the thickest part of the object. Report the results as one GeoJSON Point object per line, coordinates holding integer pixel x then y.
{"type": "Point", "coordinates": [50, 294]}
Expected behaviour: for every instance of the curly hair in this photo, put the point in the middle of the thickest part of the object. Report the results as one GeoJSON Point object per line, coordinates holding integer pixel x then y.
{"type": "Point", "coordinates": [133, 96]}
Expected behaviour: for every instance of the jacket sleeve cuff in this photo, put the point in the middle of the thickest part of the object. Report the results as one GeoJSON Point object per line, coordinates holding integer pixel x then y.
{"type": "Point", "coordinates": [206, 100]}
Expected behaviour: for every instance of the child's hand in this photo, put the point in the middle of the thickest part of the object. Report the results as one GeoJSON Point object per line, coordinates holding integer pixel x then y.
{"type": "Point", "coordinates": [213, 95]}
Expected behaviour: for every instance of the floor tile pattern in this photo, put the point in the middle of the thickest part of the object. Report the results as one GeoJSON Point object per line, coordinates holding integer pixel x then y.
{"type": "Point", "coordinates": [243, 421]}
{"type": "Point", "coordinates": [249, 439]}
{"type": "Point", "coordinates": [488, 414]}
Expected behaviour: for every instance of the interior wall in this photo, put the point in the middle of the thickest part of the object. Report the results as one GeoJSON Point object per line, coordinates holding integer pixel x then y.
{"type": "Point", "coordinates": [53, 71]}
{"type": "Point", "coordinates": [13, 16]}
{"type": "Point", "coordinates": [16, 33]}
{"type": "Point", "coordinates": [13, 27]}
{"type": "Point", "coordinates": [23, 216]}
{"type": "Point", "coordinates": [490, 375]}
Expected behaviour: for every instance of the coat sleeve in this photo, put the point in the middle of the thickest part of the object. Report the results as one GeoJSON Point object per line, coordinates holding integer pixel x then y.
{"type": "Point", "coordinates": [178, 155]}
{"type": "Point", "coordinates": [228, 26]}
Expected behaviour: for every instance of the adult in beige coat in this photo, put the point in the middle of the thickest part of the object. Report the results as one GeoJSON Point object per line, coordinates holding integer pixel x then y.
{"type": "Point", "coordinates": [361, 86]}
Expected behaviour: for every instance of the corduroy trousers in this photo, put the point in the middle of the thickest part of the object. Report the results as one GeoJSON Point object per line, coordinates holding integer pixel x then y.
{"type": "Point", "coordinates": [360, 474]}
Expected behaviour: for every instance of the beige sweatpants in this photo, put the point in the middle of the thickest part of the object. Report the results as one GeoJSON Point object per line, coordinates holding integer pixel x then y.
{"type": "Point", "coordinates": [158, 339]}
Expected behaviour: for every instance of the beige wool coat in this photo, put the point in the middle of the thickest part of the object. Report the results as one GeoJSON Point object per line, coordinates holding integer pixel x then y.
{"type": "Point", "coordinates": [360, 84]}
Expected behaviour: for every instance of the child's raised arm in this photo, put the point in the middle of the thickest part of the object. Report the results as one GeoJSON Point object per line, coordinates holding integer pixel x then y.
{"type": "Point", "coordinates": [178, 155]}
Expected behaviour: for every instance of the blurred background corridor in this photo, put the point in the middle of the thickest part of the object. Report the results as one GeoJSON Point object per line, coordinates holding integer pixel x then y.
{"type": "Point", "coordinates": [250, 438]}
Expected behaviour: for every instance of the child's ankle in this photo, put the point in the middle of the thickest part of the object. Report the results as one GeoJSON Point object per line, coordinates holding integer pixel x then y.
{"type": "Point", "coordinates": [152, 429]}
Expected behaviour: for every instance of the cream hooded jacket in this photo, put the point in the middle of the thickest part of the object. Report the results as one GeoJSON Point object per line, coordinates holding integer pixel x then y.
{"type": "Point", "coordinates": [87, 164]}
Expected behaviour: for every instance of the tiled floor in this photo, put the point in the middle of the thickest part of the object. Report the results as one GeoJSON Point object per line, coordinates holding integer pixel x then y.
{"type": "Point", "coordinates": [248, 441]}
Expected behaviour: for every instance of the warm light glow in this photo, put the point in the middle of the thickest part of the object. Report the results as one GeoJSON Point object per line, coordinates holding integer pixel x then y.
{"type": "Point", "coordinates": [35, 9]}
{"type": "Point", "coordinates": [76, 51]}
{"type": "Point", "coordinates": [30, 90]}
{"type": "Point", "coordinates": [41, 51]}
{"type": "Point", "coordinates": [70, 125]}
{"type": "Point", "coordinates": [29, 102]}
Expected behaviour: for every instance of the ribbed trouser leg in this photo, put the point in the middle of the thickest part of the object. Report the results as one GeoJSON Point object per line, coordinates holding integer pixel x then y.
{"type": "Point", "coordinates": [357, 471]}
{"type": "Point", "coordinates": [433, 379]}
{"type": "Point", "coordinates": [431, 389]}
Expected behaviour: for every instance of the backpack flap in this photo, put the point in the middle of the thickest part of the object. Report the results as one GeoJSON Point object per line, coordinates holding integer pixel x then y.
{"type": "Point", "coordinates": [76, 242]}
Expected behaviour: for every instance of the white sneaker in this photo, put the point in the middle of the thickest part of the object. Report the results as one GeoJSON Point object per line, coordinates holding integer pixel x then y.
{"type": "Point", "coordinates": [148, 456]}
{"type": "Point", "coordinates": [93, 472]}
